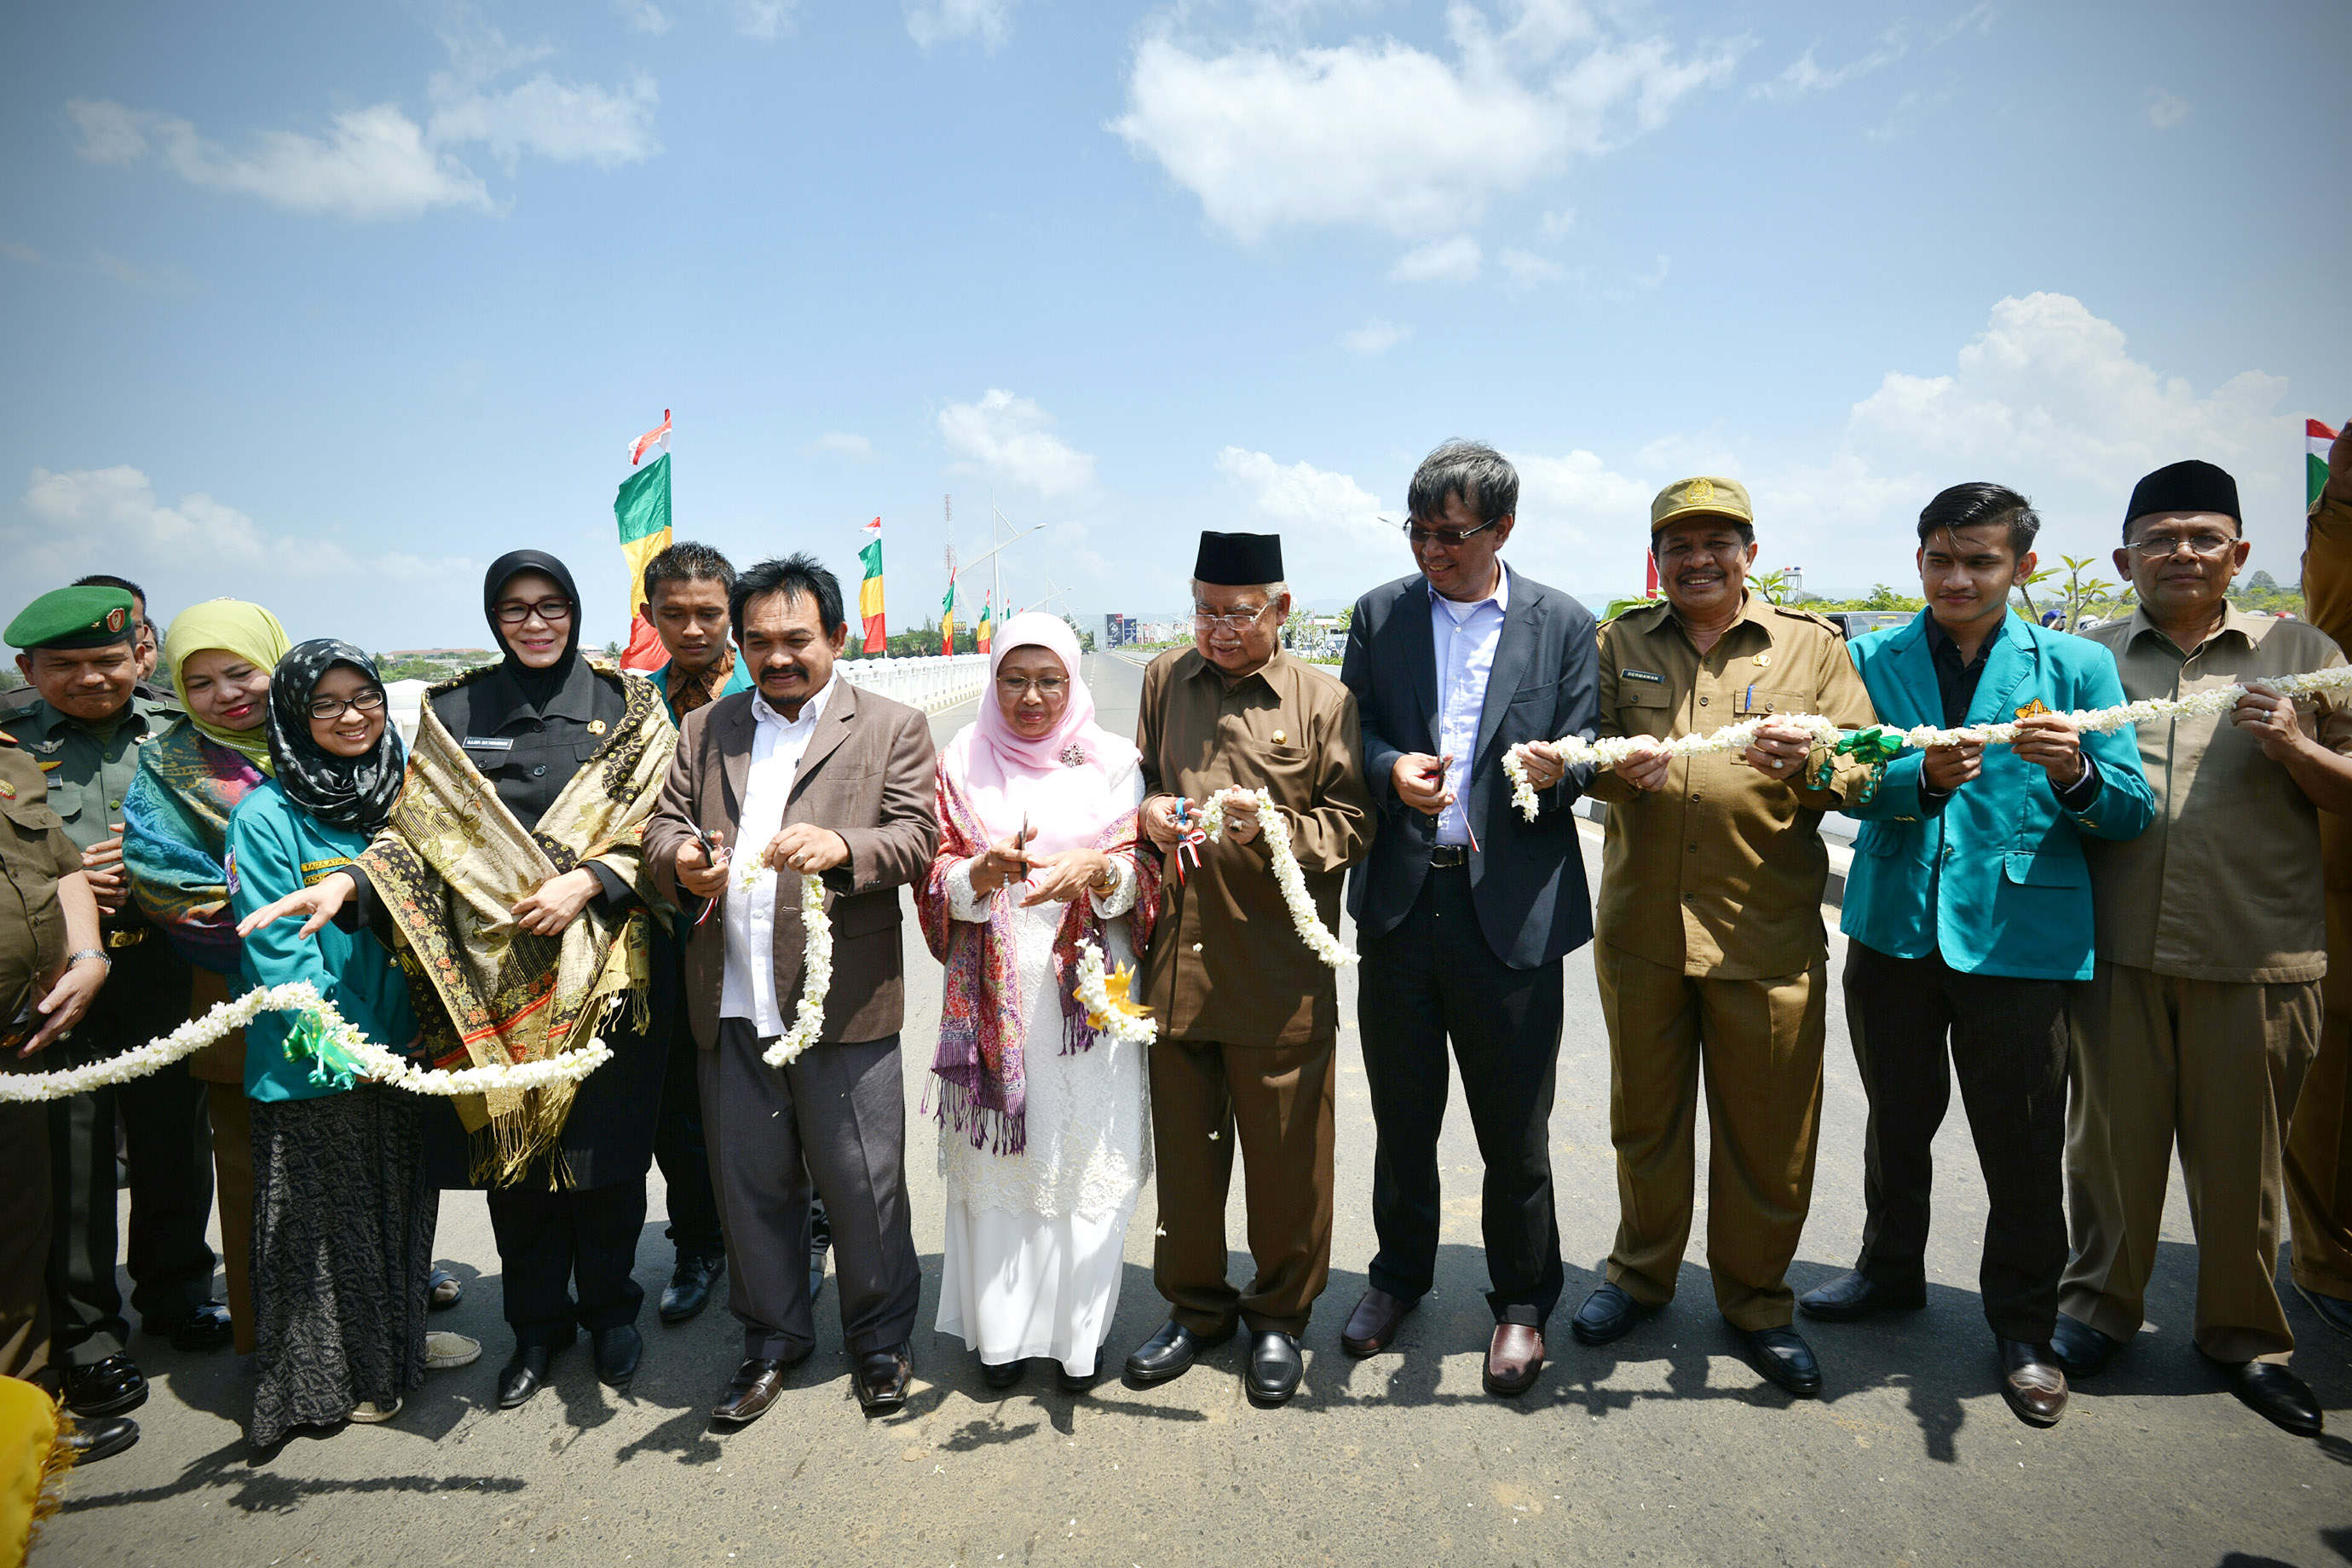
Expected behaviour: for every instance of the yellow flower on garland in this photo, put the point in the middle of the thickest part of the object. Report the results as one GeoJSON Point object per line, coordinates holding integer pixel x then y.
{"type": "Point", "coordinates": [1118, 986]}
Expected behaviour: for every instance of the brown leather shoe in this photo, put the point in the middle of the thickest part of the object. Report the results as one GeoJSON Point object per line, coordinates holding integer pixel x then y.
{"type": "Point", "coordinates": [1374, 1321]}
{"type": "Point", "coordinates": [755, 1387]}
{"type": "Point", "coordinates": [2031, 1382]}
{"type": "Point", "coordinates": [1514, 1356]}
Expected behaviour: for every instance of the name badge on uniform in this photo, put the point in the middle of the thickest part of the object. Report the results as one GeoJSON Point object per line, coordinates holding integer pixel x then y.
{"type": "Point", "coordinates": [1641, 675]}
{"type": "Point", "coordinates": [489, 742]}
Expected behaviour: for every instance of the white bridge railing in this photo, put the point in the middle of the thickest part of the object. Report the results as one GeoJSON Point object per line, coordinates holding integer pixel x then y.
{"type": "Point", "coordinates": [930, 684]}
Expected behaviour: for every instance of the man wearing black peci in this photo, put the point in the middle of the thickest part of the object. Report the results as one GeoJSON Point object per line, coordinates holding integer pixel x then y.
{"type": "Point", "coordinates": [1463, 910]}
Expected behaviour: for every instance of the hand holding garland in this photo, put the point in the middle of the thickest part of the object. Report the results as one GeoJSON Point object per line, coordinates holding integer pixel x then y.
{"type": "Point", "coordinates": [1233, 807]}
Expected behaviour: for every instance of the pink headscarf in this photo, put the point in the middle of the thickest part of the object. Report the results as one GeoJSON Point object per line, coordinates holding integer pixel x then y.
{"type": "Point", "coordinates": [987, 756]}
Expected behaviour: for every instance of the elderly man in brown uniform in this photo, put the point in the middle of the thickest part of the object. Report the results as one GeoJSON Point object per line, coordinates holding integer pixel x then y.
{"type": "Point", "coordinates": [1709, 948]}
{"type": "Point", "coordinates": [1248, 1016]}
{"type": "Point", "coordinates": [2204, 1007]}
{"type": "Point", "coordinates": [2319, 1139]}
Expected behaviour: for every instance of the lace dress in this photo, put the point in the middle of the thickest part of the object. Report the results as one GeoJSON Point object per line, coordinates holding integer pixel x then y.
{"type": "Point", "coordinates": [1036, 1241]}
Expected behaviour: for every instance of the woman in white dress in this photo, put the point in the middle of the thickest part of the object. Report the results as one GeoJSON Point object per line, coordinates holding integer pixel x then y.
{"type": "Point", "coordinates": [1044, 1130]}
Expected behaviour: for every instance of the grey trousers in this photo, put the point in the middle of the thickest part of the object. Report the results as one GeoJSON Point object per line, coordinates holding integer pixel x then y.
{"type": "Point", "coordinates": [837, 1116]}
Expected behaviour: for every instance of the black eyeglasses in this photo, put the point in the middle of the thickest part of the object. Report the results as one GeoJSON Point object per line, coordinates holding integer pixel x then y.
{"type": "Point", "coordinates": [367, 701]}
{"type": "Point", "coordinates": [1422, 538]}
{"type": "Point", "coordinates": [514, 612]}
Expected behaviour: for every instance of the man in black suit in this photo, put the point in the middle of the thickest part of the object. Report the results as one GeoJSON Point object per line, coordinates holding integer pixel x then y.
{"type": "Point", "coordinates": [1464, 909]}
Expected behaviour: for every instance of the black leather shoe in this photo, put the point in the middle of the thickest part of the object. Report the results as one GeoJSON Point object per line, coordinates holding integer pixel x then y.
{"type": "Point", "coordinates": [820, 1242]}
{"type": "Point", "coordinates": [101, 1438]}
{"type": "Point", "coordinates": [2278, 1396]}
{"type": "Point", "coordinates": [816, 1273]}
{"type": "Point", "coordinates": [688, 1290]}
{"type": "Point", "coordinates": [1782, 1355]}
{"type": "Point", "coordinates": [1608, 1313]}
{"type": "Point", "coordinates": [2081, 1350]}
{"type": "Point", "coordinates": [2334, 1310]}
{"type": "Point", "coordinates": [443, 1290]}
{"type": "Point", "coordinates": [205, 1328]}
{"type": "Point", "coordinates": [883, 1378]}
{"type": "Point", "coordinates": [1005, 1374]}
{"type": "Point", "coordinates": [1071, 1383]}
{"type": "Point", "coordinates": [525, 1373]}
{"type": "Point", "coordinates": [1169, 1352]}
{"type": "Point", "coordinates": [2032, 1383]}
{"type": "Point", "coordinates": [1275, 1368]}
{"type": "Point", "coordinates": [1853, 1295]}
{"type": "Point", "coordinates": [617, 1352]}
{"type": "Point", "coordinates": [106, 1387]}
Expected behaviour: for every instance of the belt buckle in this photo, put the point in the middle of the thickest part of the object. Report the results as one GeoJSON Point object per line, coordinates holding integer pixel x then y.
{"type": "Point", "coordinates": [118, 940]}
{"type": "Point", "coordinates": [1445, 856]}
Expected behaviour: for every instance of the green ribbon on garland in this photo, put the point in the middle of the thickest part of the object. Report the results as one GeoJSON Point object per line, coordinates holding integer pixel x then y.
{"type": "Point", "coordinates": [331, 1067]}
{"type": "Point", "coordinates": [1876, 744]}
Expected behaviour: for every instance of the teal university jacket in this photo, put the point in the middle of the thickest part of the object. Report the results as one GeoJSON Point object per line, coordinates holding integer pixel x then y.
{"type": "Point", "coordinates": [1994, 879]}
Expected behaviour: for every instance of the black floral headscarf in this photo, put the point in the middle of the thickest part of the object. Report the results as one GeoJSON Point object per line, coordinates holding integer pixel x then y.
{"type": "Point", "coordinates": [354, 794]}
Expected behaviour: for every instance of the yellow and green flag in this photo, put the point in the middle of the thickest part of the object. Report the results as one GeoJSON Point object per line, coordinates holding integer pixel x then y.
{"type": "Point", "coordinates": [987, 604]}
{"type": "Point", "coordinates": [642, 509]}
{"type": "Point", "coordinates": [947, 619]}
{"type": "Point", "coordinates": [869, 592]}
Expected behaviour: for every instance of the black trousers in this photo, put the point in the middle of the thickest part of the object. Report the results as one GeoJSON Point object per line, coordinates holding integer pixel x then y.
{"type": "Point", "coordinates": [684, 1157]}
{"type": "Point", "coordinates": [1915, 1021]}
{"type": "Point", "coordinates": [551, 1242]}
{"type": "Point", "coordinates": [1431, 978]}
{"type": "Point", "coordinates": [167, 1139]}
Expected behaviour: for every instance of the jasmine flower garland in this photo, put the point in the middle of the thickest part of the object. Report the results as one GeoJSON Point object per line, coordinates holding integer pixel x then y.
{"type": "Point", "coordinates": [1106, 999]}
{"type": "Point", "coordinates": [816, 977]}
{"type": "Point", "coordinates": [1287, 874]}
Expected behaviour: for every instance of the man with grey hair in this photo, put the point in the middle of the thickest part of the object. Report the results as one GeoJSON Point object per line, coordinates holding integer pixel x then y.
{"type": "Point", "coordinates": [1463, 910]}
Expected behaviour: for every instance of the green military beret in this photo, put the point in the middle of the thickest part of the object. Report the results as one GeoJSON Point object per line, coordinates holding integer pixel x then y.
{"type": "Point", "coordinates": [74, 617]}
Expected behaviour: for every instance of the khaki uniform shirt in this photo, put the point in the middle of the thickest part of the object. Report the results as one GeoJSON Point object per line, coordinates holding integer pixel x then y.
{"type": "Point", "coordinates": [88, 773]}
{"type": "Point", "coordinates": [2225, 883]}
{"type": "Point", "coordinates": [1721, 873]}
{"type": "Point", "coordinates": [1226, 963]}
{"type": "Point", "coordinates": [34, 854]}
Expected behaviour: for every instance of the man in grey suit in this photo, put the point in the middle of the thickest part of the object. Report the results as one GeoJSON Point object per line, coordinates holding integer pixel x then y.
{"type": "Point", "coordinates": [1464, 908]}
{"type": "Point", "coordinates": [804, 775]}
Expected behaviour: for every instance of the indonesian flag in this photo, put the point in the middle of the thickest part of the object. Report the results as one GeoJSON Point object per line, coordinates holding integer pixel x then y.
{"type": "Point", "coordinates": [869, 592]}
{"type": "Point", "coordinates": [657, 436]}
{"type": "Point", "coordinates": [642, 509]}
{"type": "Point", "coordinates": [2317, 439]}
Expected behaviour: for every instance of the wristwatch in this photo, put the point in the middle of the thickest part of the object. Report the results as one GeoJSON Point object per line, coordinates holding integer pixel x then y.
{"type": "Point", "coordinates": [99, 953]}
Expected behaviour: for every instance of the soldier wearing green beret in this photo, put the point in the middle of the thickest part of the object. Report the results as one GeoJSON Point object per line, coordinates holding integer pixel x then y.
{"type": "Point", "coordinates": [81, 654]}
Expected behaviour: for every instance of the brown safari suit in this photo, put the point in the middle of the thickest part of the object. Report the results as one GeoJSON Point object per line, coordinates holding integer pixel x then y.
{"type": "Point", "coordinates": [2319, 1139]}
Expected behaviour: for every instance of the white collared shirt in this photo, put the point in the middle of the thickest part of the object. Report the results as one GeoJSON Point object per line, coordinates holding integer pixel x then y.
{"type": "Point", "coordinates": [777, 744]}
{"type": "Point", "coordinates": [1465, 638]}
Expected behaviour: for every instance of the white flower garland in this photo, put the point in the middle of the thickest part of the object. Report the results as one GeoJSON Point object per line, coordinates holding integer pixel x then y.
{"type": "Point", "coordinates": [1607, 754]}
{"type": "Point", "coordinates": [299, 996]}
{"type": "Point", "coordinates": [1287, 874]}
{"type": "Point", "coordinates": [1116, 1016]}
{"type": "Point", "coordinates": [816, 977]}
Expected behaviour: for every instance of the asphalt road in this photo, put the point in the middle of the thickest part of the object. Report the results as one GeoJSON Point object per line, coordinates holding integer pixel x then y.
{"type": "Point", "coordinates": [1665, 1447]}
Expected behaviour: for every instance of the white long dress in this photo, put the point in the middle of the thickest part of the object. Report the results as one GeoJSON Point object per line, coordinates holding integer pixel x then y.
{"type": "Point", "coordinates": [1036, 1241]}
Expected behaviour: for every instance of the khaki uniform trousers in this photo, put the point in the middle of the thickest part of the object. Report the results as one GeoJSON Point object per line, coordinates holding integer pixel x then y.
{"type": "Point", "coordinates": [1759, 1044]}
{"type": "Point", "coordinates": [2319, 1138]}
{"type": "Point", "coordinates": [2216, 1064]}
{"type": "Point", "coordinates": [1274, 1103]}
{"type": "Point", "coordinates": [221, 1070]}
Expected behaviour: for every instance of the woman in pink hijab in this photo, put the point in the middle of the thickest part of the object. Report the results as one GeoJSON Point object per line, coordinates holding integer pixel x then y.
{"type": "Point", "coordinates": [1043, 1131]}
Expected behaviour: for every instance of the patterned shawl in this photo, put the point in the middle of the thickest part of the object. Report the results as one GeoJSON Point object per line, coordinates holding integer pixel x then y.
{"type": "Point", "coordinates": [984, 1087]}
{"type": "Point", "coordinates": [174, 831]}
{"type": "Point", "coordinates": [453, 862]}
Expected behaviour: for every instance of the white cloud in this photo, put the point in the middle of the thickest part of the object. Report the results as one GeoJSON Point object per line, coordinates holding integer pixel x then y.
{"type": "Point", "coordinates": [566, 121]}
{"type": "Point", "coordinates": [374, 164]}
{"type": "Point", "coordinates": [1805, 76]}
{"type": "Point", "coordinates": [764, 19]}
{"type": "Point", "coordinates": [847, 443]}
{"type": "Point", "coordinates": [644, 16]}
{"type": "Point", "coordinates": [1375, 337]}
{"type": "Point", "coordinates": [2165, 111]}
{"type": "Point", "coordinates": [1379, 135]}
{"type": "Point", "coordinates": [168, 280]}
{"type": "Point", "coordinates": [1323, 517]}
{"type": "Point", "coordinates": [1455, 260]}
{"type": "Point", "coordinates": [1011, 439]}
{"type": "Point", "coordinates": [1524, 271]}
{"type": "Point", "coordinates": [1556, 225]}
{"type": "Point", "coordinates": [89, 520]}
{"type": "Point", "coordinates": [1978, 17]}
{"type": "Point", "coordinates": [944, 21]}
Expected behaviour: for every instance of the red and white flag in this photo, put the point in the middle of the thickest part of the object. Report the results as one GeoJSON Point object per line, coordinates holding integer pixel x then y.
{"type": "Point", "coordinates": [871, 530]}
{"type": "Point", "coordinates": [657, 436]}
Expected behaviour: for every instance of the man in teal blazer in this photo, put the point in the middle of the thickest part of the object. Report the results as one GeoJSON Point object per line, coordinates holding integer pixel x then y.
{"type": "Point", "coordinates": [1968, 907]}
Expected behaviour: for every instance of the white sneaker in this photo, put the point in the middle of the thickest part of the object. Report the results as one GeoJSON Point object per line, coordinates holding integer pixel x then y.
{"type": "Point", "coordinates": [371, 1413]}
{"type": "Point", "coordinates": [443, 1350]}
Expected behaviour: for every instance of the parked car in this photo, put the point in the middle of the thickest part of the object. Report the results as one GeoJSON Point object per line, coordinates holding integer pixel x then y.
{"type": "Point", "coordinates": [1853, 623]}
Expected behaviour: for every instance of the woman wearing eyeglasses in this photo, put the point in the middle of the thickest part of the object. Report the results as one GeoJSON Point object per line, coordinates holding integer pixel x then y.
{"type": "Point", "coordinates": [510, 879]}
{"type": "Point", "coordinates": [1043, 1145]}
{"type": "Point", "coordinates": [342, 1212]}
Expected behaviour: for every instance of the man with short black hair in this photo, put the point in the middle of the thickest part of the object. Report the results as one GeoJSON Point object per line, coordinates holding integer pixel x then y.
{"type": "Point", "coordinates": [686, 588]}
{"type": "Point", "coordinates": [2204, 1008]}
{"type": "Point", "coordinates": [1970, 911]}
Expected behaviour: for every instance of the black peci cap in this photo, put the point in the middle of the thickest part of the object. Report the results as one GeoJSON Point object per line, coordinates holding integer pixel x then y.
{"type": "Point", "coordinates": [1238, 560]}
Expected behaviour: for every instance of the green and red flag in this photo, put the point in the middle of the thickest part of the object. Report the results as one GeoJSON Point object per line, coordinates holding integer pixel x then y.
{"type": "Point", "coordinates": [642, 509]}
{"type": "Point", "coordinates": [869, 592]}
{"type": "Point", "coordinates": [2317, 439]}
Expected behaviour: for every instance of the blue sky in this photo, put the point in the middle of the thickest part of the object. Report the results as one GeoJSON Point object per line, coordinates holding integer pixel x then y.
{"type": "Point", "coordinates": [326, 306]}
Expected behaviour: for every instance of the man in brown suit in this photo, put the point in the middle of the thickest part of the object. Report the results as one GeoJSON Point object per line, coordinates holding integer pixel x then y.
{"type": "Point", "coordinates": [811, 777]}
